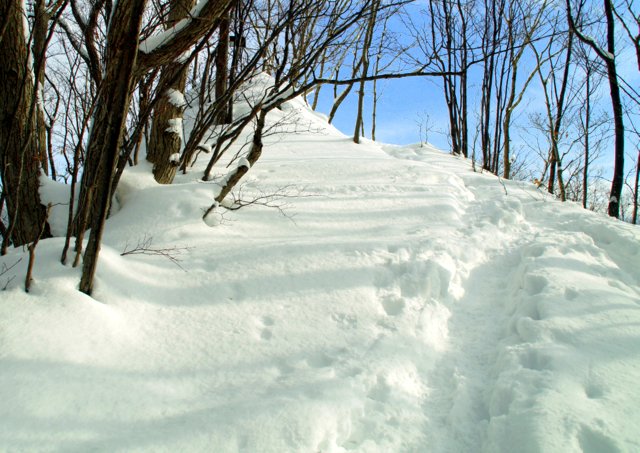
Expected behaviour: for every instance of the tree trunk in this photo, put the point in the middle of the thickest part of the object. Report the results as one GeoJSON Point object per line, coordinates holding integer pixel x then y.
{"type": "Point", "coordinates": [506, 126]}
{"type": "Point", "coordinates": [165, 140]}
{"type": "Point", "coordinates": [252, 158]}
{"type": "Point", "coordinates": [616, 103]}
{"type": "Point", "coordinates": [634, 215]}
{"type": "Point", "coordinates": [40, 29]}
{"type": "Point", "coordinates": [22, 155]}
{"type": "Point", "coordinates": [587, 125]}
{"type": "Point", "coordinates": [365, 69]}
{"type": "Point", "coordinates": [609, 59]}
{"type": "Point", "coordinates": [106, 134]}
{"type": "Point", "coordinates": [222, 68]}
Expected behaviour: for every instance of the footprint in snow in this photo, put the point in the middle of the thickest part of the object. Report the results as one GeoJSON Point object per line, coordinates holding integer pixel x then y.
{"type": "Point", "coordinates": [266, 322]}
{"type": "Point", "coordinates": [393, 305]}
{"type": "Point", "coordinates": [594, 441]}
{"type": "Point", "coordinates": [319, 360]}
{"type": "Point", "coordinates": [570, 293]}
{"type": "Point", "coordinates": [535, 284]}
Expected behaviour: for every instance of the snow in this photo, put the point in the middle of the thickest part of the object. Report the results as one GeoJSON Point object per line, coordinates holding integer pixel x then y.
{"type": "Point", "coordinates": [206, 147]}
{"type": "Point", "coordinates": [56, 195]}
{"type": "Point", "coordinates": [407, 303]}
{"type": "Point", "coordinates": [176, 98]}
{"type": "Point", "coordinates": [175, 127]}
{"type": "Point", "coordinates": [164, 37]}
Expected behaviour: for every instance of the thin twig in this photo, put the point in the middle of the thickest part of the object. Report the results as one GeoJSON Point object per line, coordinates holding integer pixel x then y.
{"type": "Point", "coordinates": [4, 269]}
{"type": "Point", "coordinates": [143, 247]}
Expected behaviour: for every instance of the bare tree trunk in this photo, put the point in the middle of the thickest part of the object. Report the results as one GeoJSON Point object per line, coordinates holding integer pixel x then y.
{"type": "Point", "coordinates": [587, 132]}
{"type": "Point", "coordinates": [40, 32]}
{"type": "Point", "coordinates": [616, 103]}
{"type": "Point", "coordinates": [557, 124]}
{"type": "Point", "coordinates": [634, 215]}
{"type": "Point", "coordinates": [166, 130]}
{"type": "Point", "coordinates": [106, 134]}
{"type": "Point", "coordinates": [22, 155]}
{"type": "Point", "coordinates": [464, 60]}
{"type": "Point", "coordinates": [365, 69]}
{"type": "Point", "coordinates": [608, 57]}
{"type": "Point", "coordinates": [222, 70]}
{"type": "Point", "coordinates": [252, 158]}
{"type": "Point", "coordinates": [341, 97]}
{"type": "Point", "coordinates": [492, 36]}
{"type": "Point", "coordinates": [515, 54]}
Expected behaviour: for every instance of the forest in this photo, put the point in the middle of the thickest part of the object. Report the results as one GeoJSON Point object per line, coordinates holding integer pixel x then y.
{"type": "Point", "coordinates": [89, 88]}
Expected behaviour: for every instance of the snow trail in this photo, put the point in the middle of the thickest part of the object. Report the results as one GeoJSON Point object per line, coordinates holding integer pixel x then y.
{"type": "Point", "coordinates": [408, 304]}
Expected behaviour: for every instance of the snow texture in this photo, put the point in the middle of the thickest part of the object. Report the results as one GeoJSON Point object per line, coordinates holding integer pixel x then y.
{"type": "Point", "coordinates": [175, 127]}
{"type": "Point", "coordinates": [176, 98]}
{"type": "Point", "coordinates": [413, 306]}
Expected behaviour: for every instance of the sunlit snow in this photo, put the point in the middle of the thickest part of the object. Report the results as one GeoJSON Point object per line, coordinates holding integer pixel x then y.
{"type": "Point", "coordinates": [403, 303]}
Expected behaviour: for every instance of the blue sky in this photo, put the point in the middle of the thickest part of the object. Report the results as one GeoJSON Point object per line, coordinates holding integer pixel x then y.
{"type": "Point", "coordinates": [401, 105]}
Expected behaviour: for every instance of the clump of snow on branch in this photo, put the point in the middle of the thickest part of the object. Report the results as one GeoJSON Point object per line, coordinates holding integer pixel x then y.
{"type": "Point", "coordinates": [175, 127]}
{"type": "Point", "coordinates": [206, 147]}
{"type": "Point", "coordinates": [155, 41]}
{"type": "Point", "coordinates": [176, 98]}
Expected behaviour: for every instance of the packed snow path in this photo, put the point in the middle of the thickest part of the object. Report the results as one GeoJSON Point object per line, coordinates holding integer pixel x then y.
{"type": "Point", "coordinates": [406, 304]}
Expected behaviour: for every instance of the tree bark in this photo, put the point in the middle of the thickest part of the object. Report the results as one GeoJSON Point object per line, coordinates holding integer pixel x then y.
{"type": "Point", "coordinates": [106, 134]}
{"type": "Point", "coordinates": [616, 103]}
{"type": "Point", "coordinates": [165, 138]}
{"type": "Point", "coordinates": [609, 59]}
{"type": "Point", "coordinates": [252, 158]}
{"type": "Point", "coordinates": [22, 155]}
{"type": "Point", "coordinates": [222, 67]}
{"type": "Point", "coordinates": [634, 214]}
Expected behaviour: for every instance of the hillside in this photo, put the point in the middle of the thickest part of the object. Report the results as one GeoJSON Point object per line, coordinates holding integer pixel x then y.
{"type": "Point", "coordinates": [403, 303]}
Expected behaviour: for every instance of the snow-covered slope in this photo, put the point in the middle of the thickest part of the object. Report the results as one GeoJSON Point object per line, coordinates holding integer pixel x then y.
{"type": "Point", "coordinates": [405, 303]}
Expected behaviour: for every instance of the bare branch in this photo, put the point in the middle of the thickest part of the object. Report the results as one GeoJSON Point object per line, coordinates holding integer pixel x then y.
{"type": "Point", "coordinates": [143, 247]}
{"type": "Point", "coordinates": [4, 269]}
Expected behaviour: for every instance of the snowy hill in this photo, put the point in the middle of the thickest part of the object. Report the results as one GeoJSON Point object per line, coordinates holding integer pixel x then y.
{"type": "Point", "coordinates": [404, 303]}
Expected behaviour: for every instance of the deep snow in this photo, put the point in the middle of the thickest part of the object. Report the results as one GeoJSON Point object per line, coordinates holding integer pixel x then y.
{"type": "Point", "coordinates": [405, 303]}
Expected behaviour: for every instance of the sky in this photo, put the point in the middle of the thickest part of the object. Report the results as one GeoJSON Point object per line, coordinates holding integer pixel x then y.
{"type": "Point", "coordinates": [401, 106]}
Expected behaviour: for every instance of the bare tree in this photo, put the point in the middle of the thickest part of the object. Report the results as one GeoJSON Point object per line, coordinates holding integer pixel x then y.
{"type": "Point", "coordinates": [555, 96]}
{"type": "Point", "coordinates": [522, 24]}
{"type": "Point", "coordinates": [491, 41]}
{"type": "Point", "coordinates": [608, 57]}
{"type": "Point", "coordinates": [366, 47]}
{"type": "Point", "coordinates": [450, 47]}
{"type": "Point", "coordinates": [123, 65]}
